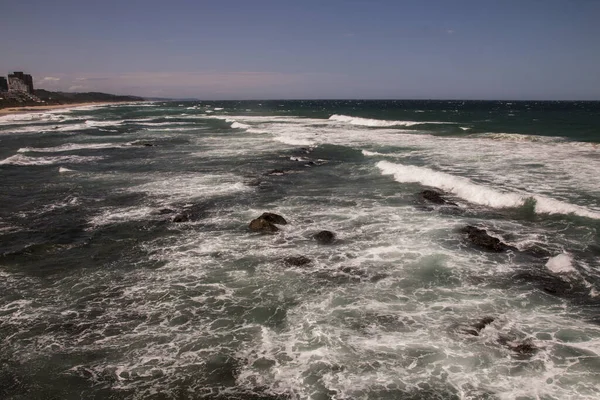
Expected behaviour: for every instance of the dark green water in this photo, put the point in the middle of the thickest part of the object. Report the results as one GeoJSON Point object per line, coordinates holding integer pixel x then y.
{"type": "Point", "coordinates": [103, 295]}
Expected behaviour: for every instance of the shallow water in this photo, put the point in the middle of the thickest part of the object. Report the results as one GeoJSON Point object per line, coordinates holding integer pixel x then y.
{"type": "Point", "coordinates": [102, 295]}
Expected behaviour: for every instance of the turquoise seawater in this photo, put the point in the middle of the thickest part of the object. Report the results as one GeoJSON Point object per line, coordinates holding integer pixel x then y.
{"type": "Point", "coordinates": [127, 269]}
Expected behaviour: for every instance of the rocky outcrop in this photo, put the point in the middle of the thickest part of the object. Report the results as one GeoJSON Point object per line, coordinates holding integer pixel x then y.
{"type": "Point", "coordinates": [273, 218]}
{"type": "Point", "coordinates": [481, 239]}
{"type": "Point", "coordinates": [266, 223]}
{"type": "Point", "coordinates": [297, 261]}
{"type": "Point", "coordinates": [435, 197]}
{"type": "Point", "coordinates": [181, 218]}
{"type": "Point", "coordinates": [324, 237]}
{"type": "Point", "coordinates": [478, 326]}
{"type": "Point", "coordinates": [262, 225]}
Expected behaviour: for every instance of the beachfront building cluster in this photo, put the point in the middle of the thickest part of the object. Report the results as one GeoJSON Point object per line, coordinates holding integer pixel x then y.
{"type": "Point", "coordinates": [17, 87]}
{"type": "Point", "coordinates": [17, 82]}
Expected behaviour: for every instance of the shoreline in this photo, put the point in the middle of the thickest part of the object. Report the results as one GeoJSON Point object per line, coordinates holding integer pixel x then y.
{"type": "Point", "coordinates": [34, 109]}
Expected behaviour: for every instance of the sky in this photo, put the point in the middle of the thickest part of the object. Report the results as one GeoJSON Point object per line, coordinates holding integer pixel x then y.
{"type": "Point", "coordinates": [326, 49]}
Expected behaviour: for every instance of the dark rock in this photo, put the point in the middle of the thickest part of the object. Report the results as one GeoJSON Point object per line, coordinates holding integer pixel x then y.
{"type": "Point", "coordinates": [143, 144]}
{"type": "Point", "coordinates": [435, 197]}
{"type": "Point", "coordinates": [181, 218]}
{"type": "Point", "coordinates": [481, 239]}
{"type": "Point", "coordinates": [262, 225]}
{"type": "Point", "coordinates": [526, 347]}
{"type": "Point", "coordinates": [324, 237]}
{"type": "Point", "coordinates": [523, 348]}
{"type": "Point", "coordinates": [164, 211]}
{"type": "Point", "coordinates": [485, 321]}
{"type": "Point", "coordinates": [273, 218]}
{"type": "Point", "coordinates": [297, 261]}
{"type": "Point", "coordinates": [254, 182]}
{"type": "Point", "coordinates": [478, 326]}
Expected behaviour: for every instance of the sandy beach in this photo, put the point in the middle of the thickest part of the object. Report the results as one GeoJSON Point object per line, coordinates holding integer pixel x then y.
{"type": "Point", "coordinates": [29, 109]}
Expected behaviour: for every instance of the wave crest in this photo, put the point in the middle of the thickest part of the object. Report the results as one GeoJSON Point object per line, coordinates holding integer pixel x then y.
{"type": "Point", "coordinates": [378, 122]}
{"type": "Point", "coordinates": [479, 194]}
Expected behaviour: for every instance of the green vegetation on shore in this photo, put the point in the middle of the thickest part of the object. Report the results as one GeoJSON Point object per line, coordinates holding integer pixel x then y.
{"type": "Point", "coordinates": [58, 98]}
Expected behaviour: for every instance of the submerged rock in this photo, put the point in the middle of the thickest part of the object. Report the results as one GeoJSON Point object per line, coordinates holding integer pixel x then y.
{"type": "Point", "coordinates": [181, 218]}
{"type": "Point", "coordinates": [526, 347]}
{"type": "Point", "coordinates": [275, 172]}
{"type": "Point", "coordinates": [521, 347]}
{"type": "Point", "coordinates": [478, 326]}
{"type": "Point", "coordinates": [253, 182]}
{"type": "Point", "coordinates": [297, 261]}
{"type": "Point", "coordinates": [435, 197]}
{"type": "Point", "coordinates": [143, 144]}
{"type": "Point", "coordinates": [273, 218]}
{"type": "Point", "coordinates": [480, 238]}
{"type": "Point", "coordinates": [324, 237]}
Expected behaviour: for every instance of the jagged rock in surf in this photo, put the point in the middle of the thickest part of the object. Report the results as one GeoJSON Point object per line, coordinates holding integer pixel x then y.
{"type": "Point", "coordinates": [297, 261]}
{"type": "Point", "coordinates": [181, 218]}
{"type": "Point", "coordinates": [435, 197]}
{"type": "Point", "coordinates": [143, 144]}
{"type": "Point", "coordinates": [262, 225]}
{"type": "Point", "coordinates": [478, 326]}
{"type": "Point", "coordinates": [324, 237]}
{"type": "Point", "coordinates": [525, 347]}
{"type": "Point", "coordinates": [521, 347]}
{"type": "Point", "coordinates": [273, 218]}
{"type": "Point", "coordinates": [480, 238]}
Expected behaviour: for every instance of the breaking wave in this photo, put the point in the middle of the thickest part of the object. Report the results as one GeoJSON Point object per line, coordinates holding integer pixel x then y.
{"type": "Point", "coordinates": [69, 147]}
{"type": "Point", "coordinates": [479, 194]}
{"type": "Point", "coordinates": [378, 122]}
{"type": "Point", "coordinates": [19, 159]}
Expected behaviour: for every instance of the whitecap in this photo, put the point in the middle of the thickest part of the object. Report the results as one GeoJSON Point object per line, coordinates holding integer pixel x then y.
{"type": "Point", "coordinates": [561, 264]}
{"type": "Point", "coordinates": [22, 160]}
{"type": "Point", "coordinates": [378, 122]}
{"type": "Point", "coordinates": [69, 147]}
{"type": "Point", "coordinates": [479, 194]}
{"type": "Point", "coordinates": [237, 125]}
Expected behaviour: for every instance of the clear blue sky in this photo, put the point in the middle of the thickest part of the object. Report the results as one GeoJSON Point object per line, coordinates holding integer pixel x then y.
{"type": "Point", "coordinates": [219, 49]}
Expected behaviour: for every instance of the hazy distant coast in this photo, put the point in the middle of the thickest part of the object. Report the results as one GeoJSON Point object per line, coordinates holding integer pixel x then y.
{"type": "Point", "coordinates": [41, 108]}
{"type": "Point", "coordinates": [60, 100]}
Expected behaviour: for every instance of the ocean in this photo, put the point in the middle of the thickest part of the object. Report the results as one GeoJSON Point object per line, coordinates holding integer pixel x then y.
{"type": "Point", "coordinates": [128, 269]}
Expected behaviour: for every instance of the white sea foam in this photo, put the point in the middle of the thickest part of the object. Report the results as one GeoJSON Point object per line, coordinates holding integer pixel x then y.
{"type": "Point", "coordinates": [111, 216]}
{"type": "Point", "coordinates": [70, 147]}
{"type": "Point", "coordinates": [64, 170]}
{"type": "Point", "coordinates": [561, 264]}
{"type": "Point", "coordinates": [479, 194]}
{"type": "Point", "coordinates": [378, 122]}
{"type": "Point", "coordinates": [237, 125]}
{"type": "Point", "coordinates": [19, 159]}
{"type": "Point", "coordinates": [517, 137]}
{"type": "Point", "coordinates": [12, 119]}
{"type": "Point", "coordinates": [185, 187]}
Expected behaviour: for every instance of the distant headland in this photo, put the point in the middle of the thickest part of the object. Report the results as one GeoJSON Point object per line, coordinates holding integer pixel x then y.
{"type": "Point", "coordinates": [17, 91]}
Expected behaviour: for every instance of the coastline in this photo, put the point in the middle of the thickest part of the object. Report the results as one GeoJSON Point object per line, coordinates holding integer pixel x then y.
{"type": "Point", "coordinates": [33, 109]}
